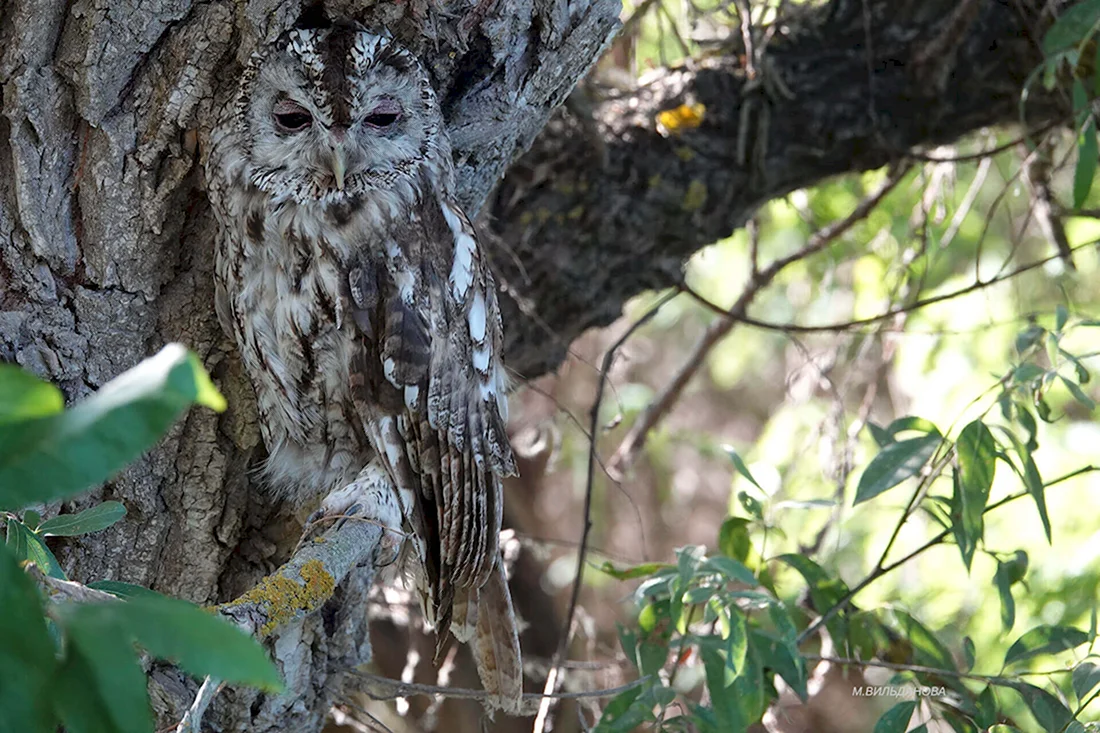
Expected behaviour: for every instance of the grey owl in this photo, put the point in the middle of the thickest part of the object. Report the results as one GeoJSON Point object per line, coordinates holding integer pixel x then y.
{"type": "Point", "coordinates": [366, 315]}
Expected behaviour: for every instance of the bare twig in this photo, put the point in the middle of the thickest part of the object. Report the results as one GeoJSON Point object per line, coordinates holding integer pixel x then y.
{"type": "Point", "coordinates": [760, 279]}
{"type": "Point", "coordinates": [553, 678]}
{"type": "Point", "coordinates": [881, 570]}
{"type": "Point", "coordinates": [387, 688]}
{"type": "Point", "coordinates": [192, 719]}
{"type": "Point", "coordinates": [856, 324]}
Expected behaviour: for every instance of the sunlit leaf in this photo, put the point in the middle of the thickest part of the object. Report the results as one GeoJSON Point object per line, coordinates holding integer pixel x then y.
{"type": "Point", "coordinates": [59, 455]}
{"type": "Point", "coordinates": [730, 568]}
{"type": "Point", "coordinates": [897, 462]}
{"type": "Point", "coordinates": [635, 571]}
{"type": "Point", "coordinates": [1032, 480]}
{"type": "Point", "coordinates": [26, 545]}
{"type": "Point", "coordinates": [90, 520]}
{"type": "Point", "coordinates": [739, 465]}
{"type": "Point", "coordinates": [977, 454]}
{"type": "Point", "coordinates": [1003, 582]}
{"type": "Point", "coordinates": [24, 396]}
{"type": "Point", "coordinates": [1045, 640]}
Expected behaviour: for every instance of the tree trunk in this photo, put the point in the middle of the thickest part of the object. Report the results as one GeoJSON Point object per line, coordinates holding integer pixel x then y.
{"type": "Point", "coordinates": [106, 235]}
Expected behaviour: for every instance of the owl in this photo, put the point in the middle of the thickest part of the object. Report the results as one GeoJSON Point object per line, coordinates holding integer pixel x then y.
{"type": "Point", "coordinates": [366, 317]}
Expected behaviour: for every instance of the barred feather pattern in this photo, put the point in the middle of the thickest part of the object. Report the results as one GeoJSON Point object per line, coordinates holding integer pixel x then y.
{"type": "Point", "coordinates": [365, 312]}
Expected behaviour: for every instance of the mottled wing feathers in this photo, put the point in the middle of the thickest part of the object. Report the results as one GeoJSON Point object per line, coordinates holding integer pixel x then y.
{"type": "Point", "coordinates": [431, 389]}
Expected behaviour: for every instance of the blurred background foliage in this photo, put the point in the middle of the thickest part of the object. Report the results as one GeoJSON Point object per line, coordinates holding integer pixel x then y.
{"type": "Point", "coordinates": [795, 402]}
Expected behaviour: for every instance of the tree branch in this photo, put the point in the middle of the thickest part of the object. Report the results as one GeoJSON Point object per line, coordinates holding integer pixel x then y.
{"type": "Point", "coordinates": [585, 232]}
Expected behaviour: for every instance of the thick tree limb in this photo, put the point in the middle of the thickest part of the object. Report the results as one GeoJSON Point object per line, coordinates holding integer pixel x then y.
{"type": "Point", "coordinates": [586, 224]}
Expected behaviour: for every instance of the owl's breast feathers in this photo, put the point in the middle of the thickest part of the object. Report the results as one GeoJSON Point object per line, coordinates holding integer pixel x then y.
{"type": "Point", "coordinates": [429, 383]}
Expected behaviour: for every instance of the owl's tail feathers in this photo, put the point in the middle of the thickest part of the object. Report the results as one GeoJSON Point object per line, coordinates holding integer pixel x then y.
{"type": "Point", "coordinates": [485, 619]}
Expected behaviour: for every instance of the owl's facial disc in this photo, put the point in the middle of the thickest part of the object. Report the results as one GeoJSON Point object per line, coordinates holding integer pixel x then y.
{"type": "Point", "coordinates": [337, 111]}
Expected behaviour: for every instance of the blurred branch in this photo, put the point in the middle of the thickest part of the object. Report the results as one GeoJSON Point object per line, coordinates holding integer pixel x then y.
{"type": "Point", "coordinates": [758, 281]}
{"type": "Point", "coordinates": [386, 688]}
{"type": "Point", "coordinates": [858, 322]}
{"type": "Point", "coordinates": [553, 678]}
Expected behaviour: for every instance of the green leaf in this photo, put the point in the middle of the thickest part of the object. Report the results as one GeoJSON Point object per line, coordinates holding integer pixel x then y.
{"type": "Point", "coordinates": [1027, 372]}
{"type": "Point", "coordinates": [734, 540]}
{"type": "Point", "coordinates": [90, 520]}
{"type": "Point", "coordinates": [730, 568]}
{"type": "Point", "coordinates": [1029, 337]}
{"type": "Point", "coordinates": [1072, 27]}
{"type": "Point", "coordinates": [825, 591]}
{"type": "Point", "coordinates": [927, 649]}
{"type": "Point", "coordinates": [625, 712]}
{"type": "Point", "coordinates": [880, 435]}
{"type": "Point", "coordinates": [969, 653]}
{"type": "Point", "coordinates": [629, 642]}
{"type": "Point", "coordinates": [1003, 582]}
{"type": "Point", "coordinates": [739, 465]}
{"type": "Point", "coordinates": [630, 573]}
{"type": "Point", "coordinates": [986, 705]}
{"type": "Point", "coordinates": [99, 651]}
{"type": "Point", "coordinates": [200, 642]}
{"type": "Point", "coordinates": [82, 707]}
{"type": "Point", "coordinates": [750, 504]}
{"type": "Point", "coordinates": [1051, 714]}
{"type": "Point", "coordinates": [32, 519]}
{"type": "Point", "coordinates": [26, 545]}
{"type": "Point", "coordinates": [1045, 640]}
{"type": "Point", "coordinates": [1078, 393]}
{"type": "Point", "coordinates": [652, 656]}
{"type": "Point", "coordinates": [1032, 480]}
{"type": "Point", "coordinates": [60, 455]}
{"type": "Point", "coordinates": [977, 454]}
{"type": "Point", "coordinates": [896, 719]}
{"type": "Point", "coordinates": [123, 590]}
{"type": "Point", "coordinates": [27, 665]}
{"type": "Point", "coordinates": [1086, 676]}
{"type": "Point", "coordinates": [897, 462]}
{"type": "Point", "coordinates": [911, 422]}
{"type": "Point", "coordinates": [1061, 316]}
{"type": "Point", "coordinates": [737, 642]}
{"type": "Point", "coordinates": [24, 396]}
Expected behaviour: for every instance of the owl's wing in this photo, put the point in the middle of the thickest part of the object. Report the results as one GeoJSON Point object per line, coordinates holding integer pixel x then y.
{"type": "Point", "coordinates": [431, 387]}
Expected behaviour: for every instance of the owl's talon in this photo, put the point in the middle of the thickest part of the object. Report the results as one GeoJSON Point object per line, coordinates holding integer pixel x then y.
{"type": "Point", "coordinates": [369, 498]}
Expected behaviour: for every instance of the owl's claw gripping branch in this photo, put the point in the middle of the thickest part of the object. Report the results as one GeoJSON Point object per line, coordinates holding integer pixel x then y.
{"type": "Point", "coordinates": [371, 497]}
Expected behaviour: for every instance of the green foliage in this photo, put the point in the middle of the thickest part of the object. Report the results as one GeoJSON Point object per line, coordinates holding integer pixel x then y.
{"type": "Point", "coordinates": [723, 619]}
{"type": "Point", "coordinates": [91, 680]}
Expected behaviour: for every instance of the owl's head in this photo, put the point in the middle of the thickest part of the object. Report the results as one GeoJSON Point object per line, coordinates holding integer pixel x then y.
{"type": "Point", "coordinates": [333, 112]}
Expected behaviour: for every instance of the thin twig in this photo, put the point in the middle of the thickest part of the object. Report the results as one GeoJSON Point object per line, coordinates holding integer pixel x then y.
{"type": "Point", "coordinates": [882, 570]}
{"type": "Point", "coordinates": [567, 626]}
{"type": "Point", "coordinates": [760, 279]}
{"type": "Point", "coordinates": [192, 719]}
{"type": "Point", "coordinates": [378, 687]}
{"type": "Point", "coordinates": [921, 669]}
{"type": "Point", "coordinates": [854, 324]}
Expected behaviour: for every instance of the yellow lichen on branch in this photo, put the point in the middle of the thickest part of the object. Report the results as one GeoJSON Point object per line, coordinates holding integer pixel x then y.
{"type": "Point", "coordinates": [282, 598]}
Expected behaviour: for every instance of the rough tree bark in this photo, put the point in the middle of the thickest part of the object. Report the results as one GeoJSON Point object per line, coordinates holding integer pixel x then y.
{"type": "Point", "coordinates": [105, 232]}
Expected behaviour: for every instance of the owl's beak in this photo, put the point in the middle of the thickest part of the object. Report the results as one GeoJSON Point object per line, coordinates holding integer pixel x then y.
{"type": "Point", "coordinates": [339, 166]}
